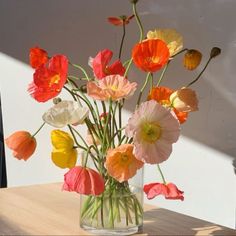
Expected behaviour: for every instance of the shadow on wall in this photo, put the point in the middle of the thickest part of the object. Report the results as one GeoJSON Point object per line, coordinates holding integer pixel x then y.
{"type": "Point", "coordinates": [79, 29]}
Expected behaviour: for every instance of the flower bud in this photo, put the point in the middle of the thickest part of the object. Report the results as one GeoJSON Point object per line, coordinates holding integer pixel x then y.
{"type": "Point", "coordinates": [56, 100]}
{"type": "Point", "coordinates": [215, 52]}
{"type": "Point", "coordinates": [134, 1]}
{"type": "Point", "coordinates": [192, 59]}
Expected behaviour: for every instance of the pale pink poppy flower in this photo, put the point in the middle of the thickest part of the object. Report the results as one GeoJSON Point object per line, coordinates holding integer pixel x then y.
{"type": "Point", "coordinates": [114, 87]}
{"type": "Point", "coordinates": [184, 100]}
{"type": "Point", "coordinates": [154, 129]}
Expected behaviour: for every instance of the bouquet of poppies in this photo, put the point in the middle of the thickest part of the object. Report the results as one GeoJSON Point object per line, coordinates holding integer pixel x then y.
{"type": "Point", "coordinates": [113, 152]}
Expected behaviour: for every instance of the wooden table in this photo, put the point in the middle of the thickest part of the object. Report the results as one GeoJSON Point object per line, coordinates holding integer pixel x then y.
{"type": "Point", "coordinates": [46, 210]}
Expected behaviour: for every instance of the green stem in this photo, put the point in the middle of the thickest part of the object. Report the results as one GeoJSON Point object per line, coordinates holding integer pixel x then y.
{"type": "Point", "coordinates": [163, 73]}
{"type": "Point", "coordinates": [142, 89]}
{"type": "Point", "coordinates": [138, 22]}
{"type": "Point", "coordinates": [151, 81]}
{"type": "Point", "coordinates": [80, 68]}
{"type": "Point", "coordinates": [162, 176]}
{"type": "Point", "coordinates": [195, 80]}
{"type": "Point", "coordinates": [38, 129]}
{"type": "Point", "coordinates": [128, 67]}
{"type": "Point", "coordinates": [183, 50]}
{"type": "Point", "coordinates": [122, 41]}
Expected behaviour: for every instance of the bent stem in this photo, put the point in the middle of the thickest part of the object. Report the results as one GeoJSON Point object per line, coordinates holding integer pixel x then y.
{"type": "Point", "coordinates": [39, 129]}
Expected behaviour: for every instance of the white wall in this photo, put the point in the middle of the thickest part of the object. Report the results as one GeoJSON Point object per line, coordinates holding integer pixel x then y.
{"type": "Point", "coordinates": [202, 161]}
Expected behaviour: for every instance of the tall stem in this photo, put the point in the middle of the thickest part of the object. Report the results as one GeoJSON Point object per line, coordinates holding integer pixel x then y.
{"type": "Point", "coordinates": [80, 68]}
{"type": "Point", "coordinates": [138, 22]}
{"type": "Point", "coordinates": [122, 41]}
{"type": "Point", "coordinates": [163, 73]}
{"type": "Point", "coordinates": [142, 89]}
{"type": "Point", "coordinates": [162, 176]}
{"type": "Point", "coordinates": [39, 129]}
{"type": "Point", "coordinates": [195, 80]}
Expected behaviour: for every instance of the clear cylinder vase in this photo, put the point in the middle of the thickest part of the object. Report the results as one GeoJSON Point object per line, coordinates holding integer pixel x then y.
{"type": "Point", "coordinates": [118, 211]}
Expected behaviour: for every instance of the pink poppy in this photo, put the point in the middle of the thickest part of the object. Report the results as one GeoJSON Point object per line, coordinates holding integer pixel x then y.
{"type": "Point", "coordinates": [113, 87]}
{"type": "Point", "coordinates": [169, 191]}
{"type": "Point", "coordinates": [49, 79]}
{"type": "Point", "coordinates": [83, 180]}
{"type": "Point", "coordinates": [154, 129]}
{"type": "Point", "coordinates": [100, 65]}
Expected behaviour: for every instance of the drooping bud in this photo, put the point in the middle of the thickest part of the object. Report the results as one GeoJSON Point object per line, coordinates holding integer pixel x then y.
{"type": "Point", "coordinates": [215, 52]}
{"type": "Point", "coordinates": [192, 59]}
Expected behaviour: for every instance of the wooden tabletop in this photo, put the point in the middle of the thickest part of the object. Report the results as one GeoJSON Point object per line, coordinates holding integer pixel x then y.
{"type": "Point", "coordinates": [46, 210]}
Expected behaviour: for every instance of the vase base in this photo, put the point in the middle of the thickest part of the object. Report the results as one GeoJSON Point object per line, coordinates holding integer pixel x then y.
{"type": "Point", "coordinates": [119, 231]}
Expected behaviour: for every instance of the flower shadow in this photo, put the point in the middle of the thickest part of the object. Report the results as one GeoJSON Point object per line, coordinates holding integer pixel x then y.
{"type": "Point", "coordinates": [165, 222]}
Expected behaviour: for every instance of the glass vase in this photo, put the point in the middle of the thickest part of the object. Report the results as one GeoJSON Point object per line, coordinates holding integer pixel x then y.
{"type": "Point", "coordinates": [118, 211]}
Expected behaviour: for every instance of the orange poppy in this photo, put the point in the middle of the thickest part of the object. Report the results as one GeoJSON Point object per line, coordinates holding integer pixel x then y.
{"type": "Point", "coordinates": [150, 55]}
{"type": "Point", "coordinates": [192, 59]}
{"type": "Point", "coordinates": [121, 163]}
{"type": "Point", "coordinates": [22, 143]}
{"type": "Point", "coordinates": [162, 96]}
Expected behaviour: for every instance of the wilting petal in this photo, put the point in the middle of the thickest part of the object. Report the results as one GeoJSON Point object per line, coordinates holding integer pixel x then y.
{"type": "Point", "coordinates": [169, 191]}
{"type": "Point", "coordinates": [22, 143]}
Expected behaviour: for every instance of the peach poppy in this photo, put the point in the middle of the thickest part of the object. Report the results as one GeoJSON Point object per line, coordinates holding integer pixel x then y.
{"type": "Point", "coordinates": [184, 100]}
{"type": "Point", "coordinates": [83, 180]}
{"type": "Point", "coordinates": [169, 191]}
{"type": "Point", "coordinates": [37, 57]}
{"type": "Point", "coordinates": [113, 87]}
{"type": "Point", "coordinates": [100, 65]}
{"type": "Point", "coordinates": [171, 37]}
{"type": "Point", "coordinates": [150, 55]}
{"type": "Point", "coordinates": [22, 143]}
{"type": "Point", "coordinates": [49, 79]}
{"type": "Point", "coordinates": [162, 96]}
{"type": "Point", "coordinates": [192, 59]}
{"type": "Point", "coordinates": [121, 163]}
{"type": "Point", "coordinates": [121, 20]}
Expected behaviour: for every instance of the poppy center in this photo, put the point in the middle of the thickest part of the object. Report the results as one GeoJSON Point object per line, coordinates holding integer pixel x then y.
{"type": "Point", "coordinates": [151, 132]}
{"type": "Point", "coordinates": [124, 157]}
{"type": "Point", "coordinates": [54, 80]}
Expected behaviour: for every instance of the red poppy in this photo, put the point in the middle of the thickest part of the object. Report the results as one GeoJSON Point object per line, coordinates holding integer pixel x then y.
{"type": "Point", "coordinates": [150, 55]}
{"type": "Point", "coordinates": [84, 181]}
{"type": "Point", "coordinates": [49, 79]}
{"type": "Point", "coordinates": [37, 57]}
{"type": "Point", "coordinates": [162, 96]}
{"type": "Point", "coordinates": [22, 143]}
{"type": "Point", "coordinates": [119, 21]}
{"type": "Point", "coordinates": [169, 191]}
{"type": "Point", "coordinates": [101, 68]}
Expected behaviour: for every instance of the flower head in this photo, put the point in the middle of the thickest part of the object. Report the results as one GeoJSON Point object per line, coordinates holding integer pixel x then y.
{"type": "Point", "coordinates": [22, 143]}
{"type": "Point", "coordinates": [64, 155]}
{"type": "Point", "coordinates": [121, 20]}
{"type": "Point", "coordinates": [100, 65]}
{"type": "Point", "coordinates": [49, 79]}
{"type": "Point", "coordinates": [121, 163]}
{"type": "Point", "coordinates": [66, 113]}
{"type": "Point", "coordinates": [184, 100]}
{"type": "Point", "coordinates": [84, 181]}
{"type": "Point", "coordinates": [192, 59]}
{"type": "Point", "coordinates": [169, 191]}
{"type": "Point", "coordinates": [150, 55]}
{"type": "Point", "coordinates": [171, 37]}
{"type": "Point", "coordinates": [113, 87]}
{"type": "Point", "coordinates": [154, 129]}
{"type": "Point", "coordinates": [37, 57]}
{"type": "Point", "coordinates": [162, 96]}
